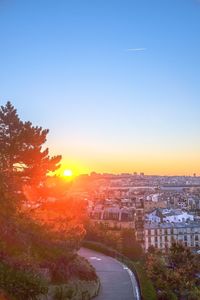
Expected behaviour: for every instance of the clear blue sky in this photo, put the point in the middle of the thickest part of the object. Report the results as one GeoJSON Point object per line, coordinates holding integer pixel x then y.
{"type": "Point", "coordinates": [117, 82]}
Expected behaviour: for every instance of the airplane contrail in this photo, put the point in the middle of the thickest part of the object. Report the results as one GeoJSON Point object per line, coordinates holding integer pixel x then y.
{"type": "Point", "coordinates": [136, 49]}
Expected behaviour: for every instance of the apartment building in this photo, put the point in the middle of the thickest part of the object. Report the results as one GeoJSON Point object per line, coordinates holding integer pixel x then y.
{"type": "Point", "coordinates": [161, 235]}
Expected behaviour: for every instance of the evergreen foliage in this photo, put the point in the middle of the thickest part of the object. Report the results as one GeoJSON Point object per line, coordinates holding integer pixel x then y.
{"type": "Point", "coordinates": [23, 158]}
{"type": "Point", "coordinates": [176, 273]}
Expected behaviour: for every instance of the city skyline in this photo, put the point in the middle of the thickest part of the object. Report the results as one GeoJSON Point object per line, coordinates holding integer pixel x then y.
{"type": "Point", "coordinates": [116, 83]}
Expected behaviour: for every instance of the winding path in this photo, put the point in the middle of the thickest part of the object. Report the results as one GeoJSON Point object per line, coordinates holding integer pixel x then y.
{"type": "Point", "coordinates": [117, 281]}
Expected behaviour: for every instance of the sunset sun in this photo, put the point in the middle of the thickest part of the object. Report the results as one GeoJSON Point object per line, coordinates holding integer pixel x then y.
{"type": "Point", "coordinates": [67, 173]}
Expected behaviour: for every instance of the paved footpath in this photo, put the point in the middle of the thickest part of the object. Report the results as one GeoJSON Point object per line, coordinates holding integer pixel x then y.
{"type": "Point", "coordinates": [117, 281]}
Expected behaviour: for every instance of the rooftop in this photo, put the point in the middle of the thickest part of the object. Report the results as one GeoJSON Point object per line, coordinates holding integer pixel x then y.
{"type": "Point", "coordinates": [154, 225]}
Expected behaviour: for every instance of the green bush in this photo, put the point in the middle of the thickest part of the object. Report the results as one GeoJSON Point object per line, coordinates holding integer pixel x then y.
{"type": "Point", "coordinates": [62, 293]}
{"type": "Point", "coordinates": [167, 295]}
{"type": "Point", "coordinates": [20, 283]}
{"type": "Point", "coordinates": [82, 269]}
{"type": "Point", "coordinates": [78, 268]}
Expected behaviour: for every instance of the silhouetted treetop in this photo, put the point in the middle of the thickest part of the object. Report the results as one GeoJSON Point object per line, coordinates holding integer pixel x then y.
{"type": "Point", "coordinates": [22, 152]}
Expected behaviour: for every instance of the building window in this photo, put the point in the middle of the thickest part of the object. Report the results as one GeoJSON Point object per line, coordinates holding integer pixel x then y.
{"type": "Point", "coordinates": [196, 237]}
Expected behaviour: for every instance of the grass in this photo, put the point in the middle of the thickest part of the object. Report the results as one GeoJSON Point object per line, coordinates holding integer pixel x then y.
{"type": "Point", "coordinates": [147, 289]}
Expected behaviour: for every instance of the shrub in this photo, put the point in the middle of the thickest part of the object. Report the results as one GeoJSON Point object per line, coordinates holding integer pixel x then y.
{"type": "Point", "coordinates": [23, 284]}
{"type": "Point", "coordinates": [82, 269]}
{"type": "Point", "coordinates": [167, 295]}
{"type": "Point", "coordinates": [61, 293]}
{"type": "Point", "coordinates": [78, 268]}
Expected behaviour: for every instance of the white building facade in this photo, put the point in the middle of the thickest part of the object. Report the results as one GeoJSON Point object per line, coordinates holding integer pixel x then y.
{"type": "Point", "coordinates": [162, 235]}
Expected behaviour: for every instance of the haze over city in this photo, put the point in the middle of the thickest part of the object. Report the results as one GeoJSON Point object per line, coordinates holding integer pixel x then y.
{"type": "Point", "coordinates": [116, 82]}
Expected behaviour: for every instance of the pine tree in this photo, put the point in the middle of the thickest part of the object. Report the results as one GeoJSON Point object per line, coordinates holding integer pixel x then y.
{"type": "Point", "coordinates": [23, 160]}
